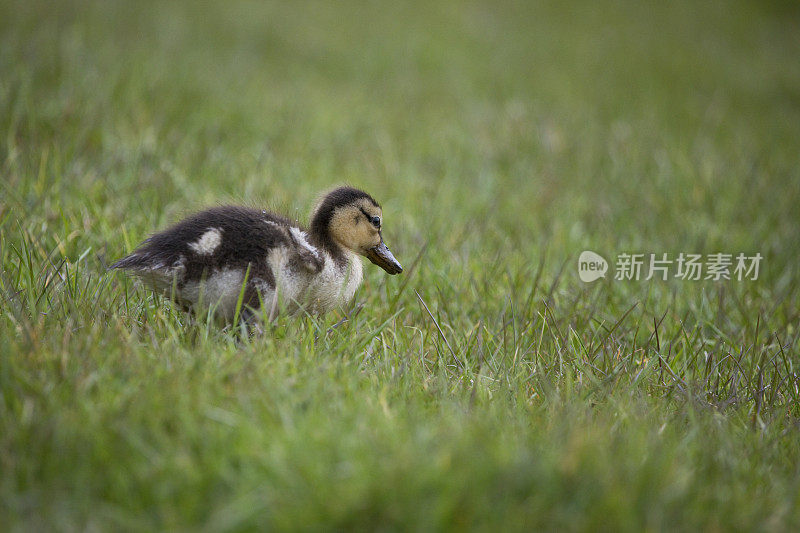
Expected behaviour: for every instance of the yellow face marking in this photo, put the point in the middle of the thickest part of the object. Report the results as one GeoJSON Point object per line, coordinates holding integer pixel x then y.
{"type": "Point", "coordinates": [350, 227]}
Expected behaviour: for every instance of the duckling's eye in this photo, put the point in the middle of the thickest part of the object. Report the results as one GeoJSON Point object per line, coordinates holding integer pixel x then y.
{"type": "Point", "coordinates": [374, 220]}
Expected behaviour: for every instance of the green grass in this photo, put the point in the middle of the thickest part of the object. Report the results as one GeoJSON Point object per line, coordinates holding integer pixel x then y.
{"type": "Point", "coordinates": [502, 140]}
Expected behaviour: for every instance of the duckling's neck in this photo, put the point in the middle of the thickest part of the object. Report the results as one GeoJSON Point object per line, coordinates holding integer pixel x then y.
{"type": "Point", "coordinates": [319, 234]}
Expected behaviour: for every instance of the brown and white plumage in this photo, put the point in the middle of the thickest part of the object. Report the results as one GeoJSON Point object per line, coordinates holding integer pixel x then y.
{"type": "Point", "coordinates": [206, 259]}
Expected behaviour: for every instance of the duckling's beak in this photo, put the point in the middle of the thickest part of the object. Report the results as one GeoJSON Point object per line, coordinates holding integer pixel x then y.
{"type": "Point", "coordinates": [381, 256]}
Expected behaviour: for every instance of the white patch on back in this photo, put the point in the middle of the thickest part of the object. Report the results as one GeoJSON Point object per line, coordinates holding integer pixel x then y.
{"type": "Point", "coordinates": [208, 242]}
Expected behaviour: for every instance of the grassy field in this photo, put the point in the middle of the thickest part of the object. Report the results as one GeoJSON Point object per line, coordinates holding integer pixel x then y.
{"type": "Point", "coordinates": [502, 140]}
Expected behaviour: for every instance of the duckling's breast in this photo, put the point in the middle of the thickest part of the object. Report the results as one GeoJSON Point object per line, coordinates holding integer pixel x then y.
{"type": "Point", "coordinates": [317, 287]}
{"type": "Point", "coordinates": [335, 285]}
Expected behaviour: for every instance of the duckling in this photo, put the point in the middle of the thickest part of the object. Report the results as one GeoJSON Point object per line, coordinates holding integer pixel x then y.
{"type": "Point", "coordinates": [208, 259]}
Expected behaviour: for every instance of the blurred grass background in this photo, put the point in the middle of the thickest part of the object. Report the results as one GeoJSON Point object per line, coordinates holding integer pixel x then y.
{"type": "Point", "coordinates": [502, 140]}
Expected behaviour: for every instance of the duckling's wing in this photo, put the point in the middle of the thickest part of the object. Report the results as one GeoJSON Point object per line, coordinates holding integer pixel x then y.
{"type": "Point", "coordinates": [304, 255]}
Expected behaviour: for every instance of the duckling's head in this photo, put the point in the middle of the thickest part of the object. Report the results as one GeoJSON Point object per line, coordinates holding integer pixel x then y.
{"type": "Point", "coordinates": [352, 219]}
